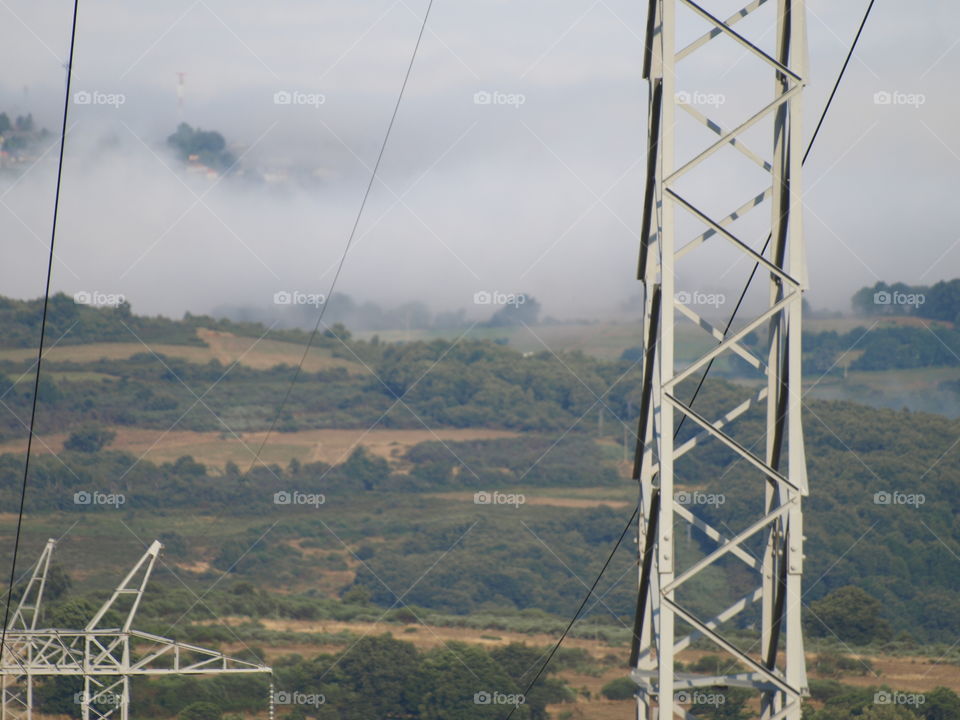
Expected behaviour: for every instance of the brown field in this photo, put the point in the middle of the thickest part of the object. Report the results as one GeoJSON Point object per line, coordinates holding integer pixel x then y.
{"type": "Point", "coordinates": [909, 674]}
{"type": "Point", "coordinates": [225, 347]}
{"type": "Point", "coordinates": [215, 449]}
{"type": "Point", "coordinates": [531, 498]}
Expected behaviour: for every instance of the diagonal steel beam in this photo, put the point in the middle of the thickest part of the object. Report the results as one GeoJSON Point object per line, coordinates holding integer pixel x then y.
{"type": "Point", "coordinates": [722, 26]}
{"type": "Point", "coordinates": [711, 34]}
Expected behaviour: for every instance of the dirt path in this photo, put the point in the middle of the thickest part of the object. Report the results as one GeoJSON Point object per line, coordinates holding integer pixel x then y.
{"type": "Point", "coordinates": [216, 448]}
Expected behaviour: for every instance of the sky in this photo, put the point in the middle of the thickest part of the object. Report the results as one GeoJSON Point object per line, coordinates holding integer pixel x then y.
{"type": "Point", "coordinates": [515, 164]}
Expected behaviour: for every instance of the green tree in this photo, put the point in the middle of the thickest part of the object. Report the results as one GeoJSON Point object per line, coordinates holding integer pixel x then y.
{"type": "Point", "coordinates": [208, 146]}
{"type": "Point", "coordinates": [58, 696]}
{"type": "Point", "coordinates": [887, 712]}
{"type": "Point", "coordinates": [464, 682]}
{"type": "Point", "coordinates": [200, 711]}
{"type": "Point", "coordinates": [525, 310]}
{"type": "Point", "coordinates": [850, 613]}
{"type": "Point", "coordinates": [384, 674]}
{"type": "Point", "coordinates": [733, 705]}
{"type": "Point", "coordinates": [72, 614]}
{"type": "Point", "coordinates": [364, 469]}
{"type": "Point", "coordinates": [621, 688]}
{"type": "Point", "coordinates": [89, 440]}
{"type": "Point", "coordinates": [941, 704]}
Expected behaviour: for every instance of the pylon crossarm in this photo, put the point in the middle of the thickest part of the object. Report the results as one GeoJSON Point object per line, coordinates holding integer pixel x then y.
{"type": "Point", "coordinates": [735, 541]}
{"type": "Point", "coordinates": [105, 656]}
{"type": "Point", "coordinates": [56, 648]}
{"type": "Point", "coordinates": [753, 202]}
{"type": "Point", "coordinates": [208, 658]}
{"type": "Point", "coordinates": [723, 27]}
{"type": "Point", "coordinates": [711, 34]}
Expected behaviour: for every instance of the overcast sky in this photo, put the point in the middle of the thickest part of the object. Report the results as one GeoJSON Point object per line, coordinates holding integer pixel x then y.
{"type": "Point", "coordinates": [541, 193]}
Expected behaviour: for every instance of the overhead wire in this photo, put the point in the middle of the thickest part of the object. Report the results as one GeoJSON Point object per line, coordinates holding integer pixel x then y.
{"type": "Point", "coordinates": [349, 243]}
{"type": "Point", "coordinates": [43, 333]}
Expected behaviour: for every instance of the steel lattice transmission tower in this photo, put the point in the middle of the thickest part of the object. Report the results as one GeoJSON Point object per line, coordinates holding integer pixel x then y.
{"type": "Point", "coordinates": [105, 656]}
{"type": "Point", "coordinates": [765, 648]}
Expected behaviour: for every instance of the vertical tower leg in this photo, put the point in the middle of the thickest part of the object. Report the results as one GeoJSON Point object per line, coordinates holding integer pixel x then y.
{"type": "Point", "coordinates": [772, 665]}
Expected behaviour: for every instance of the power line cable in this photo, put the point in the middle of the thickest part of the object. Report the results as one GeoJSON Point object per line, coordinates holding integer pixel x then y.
{"type": "Point", "coordinates": [43, 332]}
{"type": "Point", "coordinates": [733, 315]}
{"type": "Point", "coordinates": [346, 249]}
{"type": "Point", "coordinates": [576, 615]}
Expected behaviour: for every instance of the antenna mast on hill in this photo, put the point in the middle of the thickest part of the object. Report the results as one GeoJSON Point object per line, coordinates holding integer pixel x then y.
{"type": "Point", "coordinates": [766, 471]}
{"type": "Point", "coordinates": [181, 81]}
